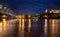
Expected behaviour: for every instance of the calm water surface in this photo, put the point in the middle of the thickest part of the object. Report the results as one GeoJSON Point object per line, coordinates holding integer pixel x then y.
{"type": "Point", "coordinates": [30, 28]}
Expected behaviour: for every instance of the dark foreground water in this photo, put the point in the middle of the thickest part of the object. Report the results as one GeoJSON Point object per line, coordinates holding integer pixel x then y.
{"type": "Point", "coordinates": [30, 28]}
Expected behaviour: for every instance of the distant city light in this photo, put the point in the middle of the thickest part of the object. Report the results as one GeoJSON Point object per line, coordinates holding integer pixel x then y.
{"type": "Point", "coordinates": [55, 11]}
{"type": "Point", "coordinates": [1, 6]}
{"type": "Point", "coordinates": [29, 16]}
{"type": "Point", "coordinates": [5, 8]}
{"type": "Point", "coordinates": [46, 10]}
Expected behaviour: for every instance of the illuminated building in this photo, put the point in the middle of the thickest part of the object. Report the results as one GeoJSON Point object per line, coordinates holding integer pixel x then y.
{"type": "Point", "coordinates": [55, 11]}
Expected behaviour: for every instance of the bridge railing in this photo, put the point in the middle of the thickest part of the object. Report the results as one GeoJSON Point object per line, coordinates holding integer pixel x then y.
{"type": "Point", "coordinates": [4, 11]}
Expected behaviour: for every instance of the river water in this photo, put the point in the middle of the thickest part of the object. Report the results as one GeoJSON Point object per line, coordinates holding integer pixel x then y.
{"type": "Point", "coordinates": [30, 28]}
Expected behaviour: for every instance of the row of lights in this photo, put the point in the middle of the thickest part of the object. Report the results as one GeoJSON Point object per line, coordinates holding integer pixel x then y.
{"type": "Point", "coordinates": [23, 16]}
{"type": "Point", "coordinates": [4, 8]}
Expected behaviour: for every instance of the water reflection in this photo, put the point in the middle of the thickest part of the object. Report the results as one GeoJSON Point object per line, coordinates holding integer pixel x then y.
{"type": "Point", "coordinates": [45, 26]}
{"type": "Point", "coordinates": [4, 25]}
{"type": "Point", "coordinates": [21, 27]}
{"type": "Point", "coordinates": [25, 26]}
{"type": "Point", "coordinates": [54, 23]}
{"type": "Point", "coordinates": [22, 23]}
{"type": "Point", "coordinates": [1, 29]}
{"type": "Point", "coordinates": [51, 27]}
{"type": "Point", "coordinates": [30, 28]}
{"type": "Point", "coordinates": [54, 27]}
{"type": "Point", "coordinates": [29, 25]}
{"type": "Point", "coordinates": [7, 28]}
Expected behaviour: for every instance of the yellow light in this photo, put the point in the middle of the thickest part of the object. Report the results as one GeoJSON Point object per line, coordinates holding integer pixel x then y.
{"type": "Point", "coordinates": [53, 26]}
{"type": "Point", "coordinates": [4, 16]}
{"type": "Point", "coordinates": [29, 25]}
{"type": "Point", "coordinates": [22, 22]}
{"type": "Point", "coordinates": [45, 26]}
{"type": "Point", "coordinates": [21, 28]}
{"type": "Point", "coordinates": [17, 17]}
{"type": "Point", "coordinates": [23, 16]}
{"type": "Point", "coordinates": [21, 25]}
{"type": "Point", "coordinates": [4, 25]}
{"type": "Point", "coordinates": [20, 16]}
{"type": "Point", "coordinates": [0, 27]}
{"type": "Point", "coordinates": [29, 16]}
{"type": "Point", "coordinates": [50, 11]}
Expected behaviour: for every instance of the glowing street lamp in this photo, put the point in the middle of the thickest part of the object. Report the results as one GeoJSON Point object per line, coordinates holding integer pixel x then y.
{"type": "Point", "coordinates": [4, 17]}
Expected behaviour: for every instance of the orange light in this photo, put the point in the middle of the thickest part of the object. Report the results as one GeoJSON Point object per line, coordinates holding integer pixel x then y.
{"type": "Point", "coordinates": [20, 16]}
{"type": "Point", "coordinates": [29, 25]}
{"type": "Point", "coordinates": [23, 16]}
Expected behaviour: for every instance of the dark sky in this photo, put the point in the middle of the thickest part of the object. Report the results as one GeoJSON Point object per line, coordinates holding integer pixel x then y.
{"type": "Point", "coordinates": [31, 6]}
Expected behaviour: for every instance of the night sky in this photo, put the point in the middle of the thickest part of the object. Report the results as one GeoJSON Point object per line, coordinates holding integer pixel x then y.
{"type": "Point", "coordinates": [31, 6]}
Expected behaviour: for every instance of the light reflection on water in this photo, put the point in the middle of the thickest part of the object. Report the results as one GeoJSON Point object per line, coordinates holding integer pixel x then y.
{"type": "Point", "coordinates": [54, 27]}
{"type": "Point", "coordinates": [7, 28]}
{"type": "Point", "coordinates": [54, 23]}
{"type": "Point", "coordinates": [21, 28]}
{"type": "Point", "coordinates": [0, 29]}
{"type": "Point", "coordinates": [45, 26]}
{"type": "Point", "coordinates": [4, 25]}
{"type": "Point", "coordinates": [29, 25]}
{"type": "Point", "coordinates": [30, 28]}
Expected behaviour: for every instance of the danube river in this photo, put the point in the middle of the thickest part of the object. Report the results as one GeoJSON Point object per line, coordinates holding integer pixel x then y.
{"type": "Point", "coordinates": [30, 28]}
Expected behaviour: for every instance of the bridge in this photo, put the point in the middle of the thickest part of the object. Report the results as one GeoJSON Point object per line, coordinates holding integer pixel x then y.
{"type": "Point", "coordinates": [52, 14]}
{"type": "Point", "coordinates": [6, 12]}
{"type": "Point", "coordinates": [48, 14]}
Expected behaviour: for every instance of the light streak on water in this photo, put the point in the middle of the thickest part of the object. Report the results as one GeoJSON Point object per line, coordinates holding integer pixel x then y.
{"type": "Point", "coordinates": [23, 25]}
{"type": "Point", "coordinates": [29, 25]}
{"type": "Point", "coordinates": [1, 29]}
{"type": "Point", "coordinates": [45, 26]}
{"type": "Point", "coordinates": [20, 23]}
{"type": "Point", "coordinates": [53, 26]}
{"type": "Point", "coordinates": [4, 25]}
{"type": "Point", "coordinates": [21, 28]}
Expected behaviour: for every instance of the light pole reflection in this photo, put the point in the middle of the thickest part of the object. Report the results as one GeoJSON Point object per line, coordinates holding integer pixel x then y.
{"type": "Point", "coordinates": [45, 26]}
{"type": "Point", "coordinates": [21, 27]}
{"type": "Point", "coordinates": [29, 25]}
{"type": "Point", "coordinates": [4, 27]}
{"type": "Point", "coordinates": [53, 26]}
